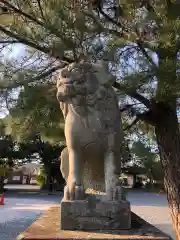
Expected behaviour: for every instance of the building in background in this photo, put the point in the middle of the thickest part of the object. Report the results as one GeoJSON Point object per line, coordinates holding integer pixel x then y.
{"type": "Point", "coordinates": [25, 174]}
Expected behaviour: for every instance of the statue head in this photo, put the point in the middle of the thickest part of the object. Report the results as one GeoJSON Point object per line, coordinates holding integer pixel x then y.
{"type": "Point", "coordinates": [81, 79]}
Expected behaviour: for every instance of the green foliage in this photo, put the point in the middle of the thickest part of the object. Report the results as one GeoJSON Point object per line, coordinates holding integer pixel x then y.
{"type": "Point", "coordinates": [37, 112]}
{"type": "Point", "coordinates": [130, 36]}
{"type": "Point", "coordinates": [53, 29]}
{"type": "Point", "coordinates": [143, 152]}
{"type": "Point", "coordinates": [41, 178]}
{"type": "Point", "coordinates": [2, 129]}
{"type": "Point", "coordinates": [149, 160]}
{"type": "Point", "coordinates": [58, 31]}
{"type": "Point", "coordinates": [4, 169]}
{"type": "Point", "coordinates": [14, 154]}
{"type": "Point", "coordinates": [62, 28]}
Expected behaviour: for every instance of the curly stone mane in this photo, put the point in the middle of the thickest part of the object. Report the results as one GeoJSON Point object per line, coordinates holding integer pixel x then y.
{"type": "Point", "coordinates": [85, 88]}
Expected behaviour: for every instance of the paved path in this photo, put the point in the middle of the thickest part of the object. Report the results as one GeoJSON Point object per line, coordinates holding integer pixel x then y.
{"type": "Point", "coordinates": [154, 209]}
{"type": "Point", "coordinates": [23, 187]}
{"type": "Point", "coordinates": [19, 212]}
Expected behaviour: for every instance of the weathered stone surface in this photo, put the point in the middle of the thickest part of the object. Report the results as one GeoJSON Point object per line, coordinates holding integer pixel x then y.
{"type": "Point", "coordinates": [47, 227]}
{"type": "Point", "coordinates": [93, 130]}
{"type": "Point", "coordinates": [95, 215]}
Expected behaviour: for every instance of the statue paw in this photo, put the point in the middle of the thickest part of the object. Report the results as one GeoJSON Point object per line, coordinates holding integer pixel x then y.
{"type": "Point", "coordinates": [74, 193]}
{"type": "Point", "coordinates": [116, 194]}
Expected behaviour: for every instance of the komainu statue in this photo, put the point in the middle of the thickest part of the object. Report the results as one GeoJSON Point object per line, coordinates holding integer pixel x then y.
{"type": "Point", "coordinates": [93, 130]}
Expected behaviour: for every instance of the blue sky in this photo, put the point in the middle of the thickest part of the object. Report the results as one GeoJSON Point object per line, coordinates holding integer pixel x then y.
{"type": "Point", "coordinates": [17, 51]}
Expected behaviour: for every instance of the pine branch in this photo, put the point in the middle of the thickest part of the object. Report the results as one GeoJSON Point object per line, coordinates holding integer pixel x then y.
{"type": "Point", "coordinates": [138, 42]}
{"type": "Point", "coordinates": [37, 78]}
{"type": "Point", "coordinates": [8, 41]}
{"type": "Point", "coordinates": [26, 41]}
{"type": "Point", "coordinates": [151, 9]}
{"type": "Point", "coordinates": [140, 45]}
{"type": "Point", "coordinates": [168, 3]}
{"type": "Point", "coordinates": [146, 116]}
{"type": "Point", "coordinates": [40, 9]}
{"type": "Point", "coordinates": [110, 19]}
{"type": "Point", "coordinates": [100, 26]}
{"type": "Point", "coordinates": [4, 10]}
{"type": "Point", "coordinates": [136, 120]}
{"type": "Point", "coordinates": [8, 5]}
{"type": "Point", "coordinates": [37, 21]}
{"type": "Point", "coordinates": [29, 43]}
{"type": "Point", "coordinates": [133, 94]}
{"type": "Point", "coordinates": [128, 106]}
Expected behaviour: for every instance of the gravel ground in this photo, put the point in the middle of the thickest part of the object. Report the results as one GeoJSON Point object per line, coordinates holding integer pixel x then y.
{"type": "Point", "coordinates": [20, 211]}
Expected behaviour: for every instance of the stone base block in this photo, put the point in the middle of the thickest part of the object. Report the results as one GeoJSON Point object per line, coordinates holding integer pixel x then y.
{"type": "Point", "coordinates": [95, 215]}
{"type": "Point", "coordinates": [47, 227]}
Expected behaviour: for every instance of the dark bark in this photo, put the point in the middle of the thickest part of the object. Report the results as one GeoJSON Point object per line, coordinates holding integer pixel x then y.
{"type": "Point", "coordinates": [134, 180]}
{"type": "Point", "coordinates": [151, 178]}
{"type": "Point", "coordinates": [48, 178]}
{"type": "Point", "coordinates": [168, 139]}
{"type": "Point", "coordinates": [28, 179]}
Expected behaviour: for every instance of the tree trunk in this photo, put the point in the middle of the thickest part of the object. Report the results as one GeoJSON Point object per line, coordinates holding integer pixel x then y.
{"type": "Point", "coordinates": [151, 178]}
{"type": "Point", "coordinates": [168, 139]}
{"type": "Point", "coordinates": [134, 180]}
{"type": "Point", "coordinates": [47, 186]}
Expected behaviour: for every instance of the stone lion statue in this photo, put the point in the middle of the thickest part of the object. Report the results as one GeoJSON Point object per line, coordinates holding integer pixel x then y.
{"type": "Point", "coordinates": [93, 130]}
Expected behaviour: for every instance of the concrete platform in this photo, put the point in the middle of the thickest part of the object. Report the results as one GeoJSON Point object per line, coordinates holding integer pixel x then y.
{"type": "Point", "coordinates": [85, 215]}
{"type": "Point", "coordinates": [47, 227]}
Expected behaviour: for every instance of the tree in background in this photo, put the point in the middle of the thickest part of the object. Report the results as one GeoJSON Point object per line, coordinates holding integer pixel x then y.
{"type": "Point", "coordinates": [14, 154]}
{"type": "Point", "coordinates": [35, 123]}
{"type": "Point", "coordinates": [48, 154]}
{"type": "Point", "coordinates": [41, 178]}
{"type": "Point", "coordinates": [6, 155]}
{"type": "Point", "coordinates": [130, 36]}
{"type": "Point", "coordinates": [149, 160]}
{"type": "Point", "coordinates": [36, 112]}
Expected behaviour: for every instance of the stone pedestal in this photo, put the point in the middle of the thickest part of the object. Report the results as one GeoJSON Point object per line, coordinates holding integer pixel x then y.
{"type": "Point", "coordinates": [93, 214]}
{"type": "Point", "coordinates": [47, 227]}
